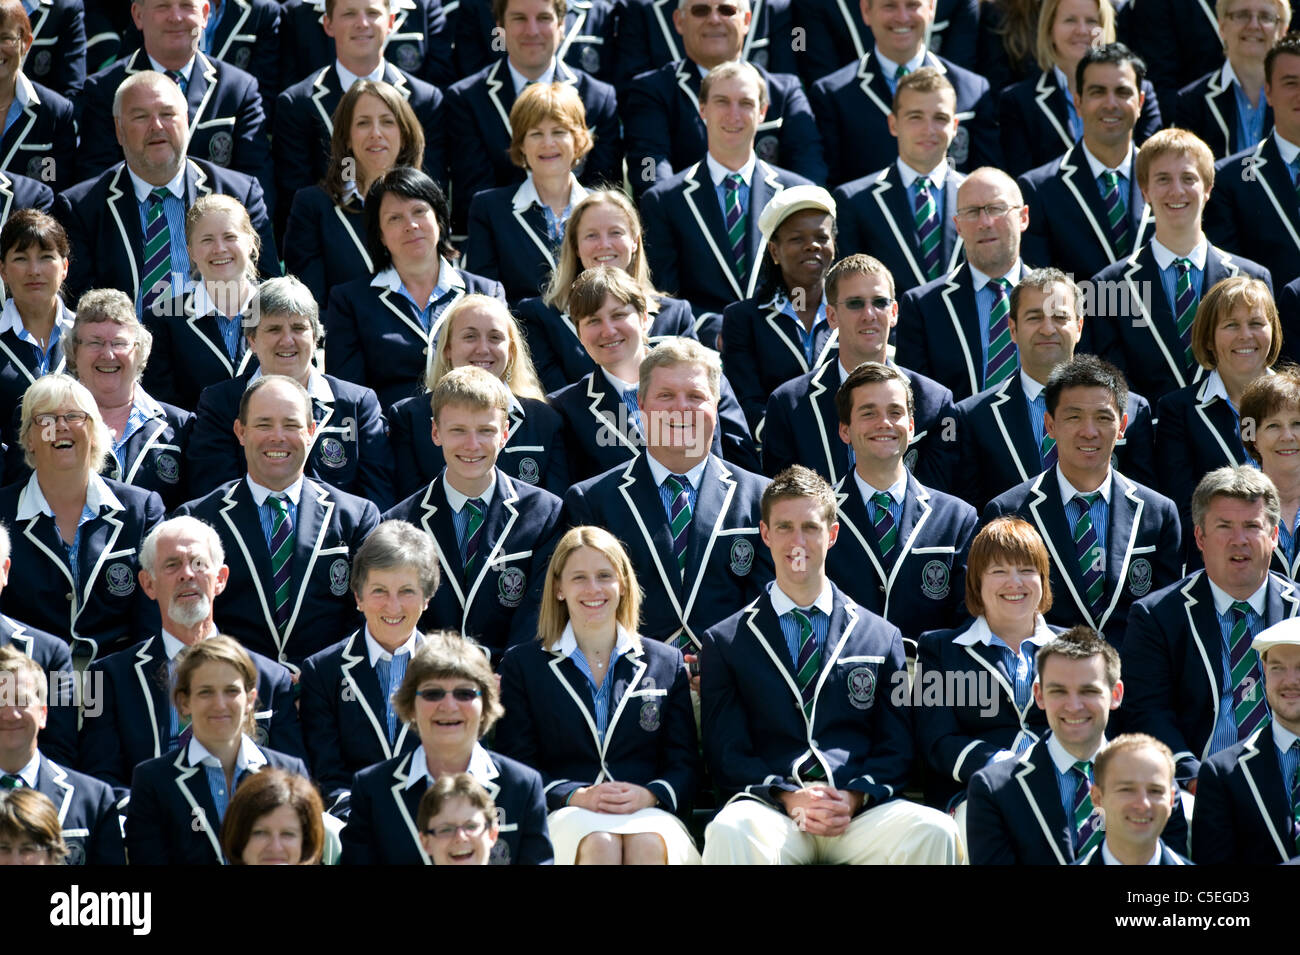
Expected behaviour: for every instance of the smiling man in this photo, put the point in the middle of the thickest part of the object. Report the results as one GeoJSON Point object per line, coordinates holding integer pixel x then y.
{"type": "Point", "coordinates": [291, 538]}
{"type": "Point", "coordinates": [1133, 786]}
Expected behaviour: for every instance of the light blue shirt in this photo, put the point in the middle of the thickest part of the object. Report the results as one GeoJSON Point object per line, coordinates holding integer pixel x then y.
{"type": "Point", "coordinates": [889, 69]}
{"type": "Point", "coordinates": [1067, 781]}
{"type": "Point", "coordinates": [1225, 723]}
{"type": "Point", "coordinates": [1250, 119]}
{"type": "Point", "coordinates": [450, 282]}
{"type": "Point", "coordinates": [693, 478]}
{"type": "Point", "coordinates": [99, 497]}
{"type": "Point", "coordinates": [11, 321]}
{"type": "Point", "coordinates": [216, 10]}
{"type": "Point", "coordinates": [1072, 114]}
{"type": "Point", "coordinates": [821, 622]}
{"type": "Point", "coordinates": [807, 336]}
{"type": "Point", "coordinates": [603, 690]}
{"type": "Point", "coordinates": [174, 211]}
{"type": "Point", "coordinates": [985, 296]}
{"type": "Point", "coordinates": [143, 409]}
{"type": "Point", "coordinates": [266, 513]}
{"type": "Point", "coordinates": [719, 173]}
{"type": "Point", "coordinates": [1169, 274]}
{"type": "Point", "coordinates": [1098, 512]}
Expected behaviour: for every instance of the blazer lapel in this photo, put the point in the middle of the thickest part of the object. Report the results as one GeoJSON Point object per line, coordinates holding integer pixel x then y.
{"type": "Point", "coordinates": [821, 395]}
{"type": "Point", "coordinates": [1011, 411]}
{"type": "Point", "coordinates": [500, 518]}
{"type": "Point", "coordinates": [1050, 100]}
{"type": "Point", "coordinates": [533, 223]}
{"type": "Point", "coordinates": [364, 682]}
{"type": "Point", "coordinates": [1274, 178]}
{"type": "Point", "coordinates": [1048, 513]}
{"type": "Point", "coordinates": [153, 691]}
{"type": "Point", "coordinates": [1219, 422]}
{"type": "Point", "coordinates": [399, 791]}
{"type": "Point", "coordinates": [1126, 508]}
{"type": "Point", "coordinates": [608, 409]}
{"type": "Point", "coordinates": [325, 94]}
{"type": "Point", "coordinates": [1281, 602]}
{"type": "Point", "coordinates": [702, 202]}
{"type": "Point", "coordinates": [959, 291]}
{"type": "Point", "coordinates": [239, 512]}
{"type": "Point", "coordinates": [717, 487]}
{"type": "Point", "coordinates": [1223, 109]}
{"type": "Point", "coordinates": [642, 498]}
{"type": "Point", "coordinates": [192, 784]}
{"type": "Point", "coordinates": [1147, 294]}
{"type": "Point", "coordinates": [765, 185]}
{"type": "Point", "coordinates": [1076, 176]}
{"type": "Point", "coordinates": [501, 92]}
{"type": "Point", "coordinates": [1038, 782]}
{"type": "Point", "coordinates": [1203, 623]}
{"type": "Point", "coordinates": [895, 208]}
{"type": "Point", "coordinates": [436, 519]}
{"type": "Point", "coordinates": [1263, 775]}
{"type": "Point", "coordinates": [202, 86]}
{"type": "Point", "coordinates": [126, 217]}
{"type": "Point", "coordinates": [872, 82]}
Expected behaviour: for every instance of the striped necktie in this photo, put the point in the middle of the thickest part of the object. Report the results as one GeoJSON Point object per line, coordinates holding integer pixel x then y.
{"type": "Point", "coordinates": [1248, 704]}
{"type": "Point", "coordinates": [473, 533]}
{"type": "Point", "coordinates": [1295, 796]}
{"type": "Point", "coordinates": [1185, 302]}
{"type": "Point", "coordinates": [281, 557]}
{"type": "Point", "coordinates": [10, 781]}
{"type": "Point", "coordinates": [679, 517]}
{"type": "Point", "coordinates": [179, 79]}
{"type": "Point", "coordinates": [1002, 350]}
{"type": "Point", "coordinates": [809, 661]}
{"type": "Point", "coordinates": [736, 227]}
{"type": "Point", "coordinates": [1089, 552]}
{"type": "Point", "coordinates": [925, 217]}
{"type": "Point", "coordinates": [1116, 215]}
{"type": "Point", "coordinates": [886, 530]}
{"type": "Point", "coordinates": [1046, 447]}
{"type": "Point", "coordinates": [1088, 832]}
{"type": "Point", "coordinates": [157, 253]}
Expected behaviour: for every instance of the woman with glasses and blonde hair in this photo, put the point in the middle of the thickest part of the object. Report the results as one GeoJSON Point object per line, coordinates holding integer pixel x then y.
{"type": "Point", "coordinates": [76, 536]}
{"type": "Point", "coordinates": [605, 716]}
{"type": "Point", "coordinates": [450, 695]}
{"type": "Point", "coordinates": [478, 330]}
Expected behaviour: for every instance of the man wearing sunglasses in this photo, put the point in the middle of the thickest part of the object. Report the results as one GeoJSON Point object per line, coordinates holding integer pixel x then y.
{"type": "Point", "coordinates": [853, 103]}
{"type": "Point", "coordinates": [661, 109]}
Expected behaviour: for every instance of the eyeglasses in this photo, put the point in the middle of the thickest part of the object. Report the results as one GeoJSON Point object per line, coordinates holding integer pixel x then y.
{"type": "Point", "coordinates": [462, 694]}
{"type": "Point", "coordinates": [472, 830]}
{"type": "Point", "coordinates": [97, 344]}
{"type": "Point", "coordinates": [701, 11]}
{"type": "Point", "coordinates": [994, 210]}
{"type": "Point", "coordinates": [858, 303]}
{"type": "Point", "coordinates": [50, 420]}
{"type": "Point", "coordinates": [1242, 17]}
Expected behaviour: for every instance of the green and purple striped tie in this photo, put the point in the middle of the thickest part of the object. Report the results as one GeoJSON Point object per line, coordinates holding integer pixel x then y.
{"type": "Point", "coordinates": [281, 557]}
{"type": "Point", "coordinates": [157, 253]}
{"type": "Point", "coordinates": [1088, 832]}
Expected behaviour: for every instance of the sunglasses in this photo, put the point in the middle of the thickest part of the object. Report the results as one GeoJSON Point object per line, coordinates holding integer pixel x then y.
{"type": "Point", "coordinates": [701, 11]}
{"type": "Point", "coordinates": [462, 694]}
{"type": "Point", "coordinates": [857, 304]}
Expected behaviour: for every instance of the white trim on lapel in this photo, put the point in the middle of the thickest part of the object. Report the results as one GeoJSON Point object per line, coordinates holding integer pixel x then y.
{"type": "Point", "coordinates": [399, 786]}
{"type": "Point", "coordinates": [573, 32]}
{"type": "Point", "coordinates": [866, 76]}
{"type": "Point", "coordinates": [59, 777]}
{"type": "Point", "coordinates": [150, 442]}
{"type": "Point", "coordinates": [815, 391]}
{"type": "Point", "coordinates": [606, 419]}
{"type": "Point", "coordinates": [321, 90]}
{"type": "Point", "coordinates": [1259, 162]}
{"type": "Point", "coordinates": [1003, 395]}
{"type": "Point", "coordinates": [29, 112]}
{"type": "Point", "coordinates": [851, 28]}
{"type": "Point", "coordinates": [1249, 752]}
{"type": "Point", "coordinates": [115, 193]}
{"type": "Point", "coordinates": [1188, 603]}
{"type": "Point", "coordinates": [843, 490]}
{"type": "Point", "coordinates": [1021, 776]}
{"type": "Point", "coordinates": [724, 478]}
{"type": "Point", "coordinates": [1136, 299]}
{"type": "Point", "coordinates": [356, 239]}
{"type": "Point", "coordinates": [212, 346]}
{"type": "Point", "coordinates": [668, 31]}
{"type": "Point", "coordinates": [245, 9]}
{"type": "Point", "coordinates": [1212, 92]}
{"type": "Point", "coordinates": [143, 657]}
{"type": "Point", "coordinates": [385, 296]}
{"type": "Point", "coordinates": [109, 517]}
{"type": "Point", "coordinates": [881, 186]}
{"type": "Point", "coordinates": [350, 660]}
{"type": "Point", "coordinates": [1203, 402]}
{"type": "Point", "coordinates": [493, 87]}
{"type": "Point", "coordinates": [951, 288]}
{"type": "Point", "coordinates": [1130, 494]}
{"type": "Point", "coordinates": [1068, 170]}
{"type": "Point", "coordinates": [323, 499]}
{"type": "Point", "coordinates": [670, 587]}
{"type": "Point", "coordinates": [1209, 15]}
{"type": "Point", "coordinates": [1039, 497]}
{"type": "Point", "coordinates": [508, 500]}
{"type": "Point", "coordinates": [14, 362]}
{"type": "Point", "coordinates": [198, 815]}
{"type": "Point", "coordinates": [773, 179]}
{"type": "Point", "coordinates": [209, 74]}
{"type": "Point", "coordinates": [1045, 87]}
{"type": "Point", "coordinates": [772, 316]}
{"type": "Point", "coordinates": [426, 522]}
{"type": "Point", "coordinates": [692, 184]}
{"type": "Point", "coordinates": [228, 499]}
{"type": "Point", "coordinates": [537, 240]}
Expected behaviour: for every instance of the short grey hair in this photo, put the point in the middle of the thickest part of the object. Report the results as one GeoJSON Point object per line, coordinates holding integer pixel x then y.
{"type": "Point", "coordinates": [1244, 483]}
{"type": "Point", "coordinates": [101, 305]}
{"type": "Point", "coordinates": [201, 529]}
{"type": "Point", "coordinates": [393, 545]}
{"type": "Point", "coordinates": [285, 295]}
{"type": "Point", "coordinates": [159, 82]}
{"type": "Point", "coordinates": [682, 351]}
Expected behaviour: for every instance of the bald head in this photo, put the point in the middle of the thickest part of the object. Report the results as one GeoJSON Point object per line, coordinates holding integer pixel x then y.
{"type": "Point", "coordinates": [991, 214]}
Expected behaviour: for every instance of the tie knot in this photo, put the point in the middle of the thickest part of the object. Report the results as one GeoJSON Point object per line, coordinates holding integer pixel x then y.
{"type": "Point", "coordinates": [277, 502]}
{"type": "Point", "coordinates": [1083, 767]}
{"type": "Point", "coordinates": [1111, 178]}
{"type": "Point", "coordinates": [882, 499]}
{"type": "Point", "coordinates": [1001, 287]}
{"type": "Point", "coordinates": [804, 615]}
{"type": "Point", "coordinates": [9, 781]}
{"type": "Point", "coordinates": [733, 181]}
{"type": "Point", "coordinates": [676, 483]}
{"type": "Point", "coordinates": [1183, 265]}
{"type": "Point", "coordinates": [1241, 606]}
{"type": "Point", "coordinates": [158, 194]}
{"type": "Point", "coordinates": [1087, 500]}
{"type": "Point", "coordinates": [901, 71]}
{"type": "Point", "coordinates": [922, 183]}
{"type": "Point", "coordinates": [476, 505]}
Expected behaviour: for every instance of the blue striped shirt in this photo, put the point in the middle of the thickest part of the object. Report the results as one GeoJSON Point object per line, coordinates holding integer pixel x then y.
{"type": "Point", "coordinates": [984, 299]}
{"type": "Point", "coordinates": [790, 629]}
{"type": "Point", "coordinates": [174, 210]}
{"type": "Point", "coordinates": [1037, 408]}
{"type": "Point", "coordinates": [266, 513]}
{"type": "Point", "coordinates": [603, 696]}
{"type": "Point", "coordinates": [1225, 723]}
{"type": "Point", "coordinates": [1286, 537]}
{"type": "Point", "coordinates": [1067, 781]}
{"type": "Point", "coordinates": [693, 477]}
{"type": "Point", "coordinates": [1288, 754]}
{"type": "Point", "coordinates": [1021, 666]}
{"type": "Point", "coordinates": [807, 336]}
{"type": "Point", "coordinates": [1250, 119]}
{"type": "Point", "coordinates": [141, 412]}
{"type": "Point", "coordinates": [1098, 511]}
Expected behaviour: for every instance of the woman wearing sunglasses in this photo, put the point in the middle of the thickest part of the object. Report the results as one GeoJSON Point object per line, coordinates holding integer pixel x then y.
{"type": "Point", "coordinates": [450, 695]}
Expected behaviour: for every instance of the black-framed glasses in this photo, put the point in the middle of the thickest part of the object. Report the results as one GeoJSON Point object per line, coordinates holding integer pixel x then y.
{"type": "Point", "coordinates": [472, 830]}
{"type": "Point", "coordinates": [994, 210]}
{"type": "Point", "coordinates": [701, 11]}
{"type": "Point", "coordinates": [857, 303]}
{"type": "Point", "coordinates": [462, 694]}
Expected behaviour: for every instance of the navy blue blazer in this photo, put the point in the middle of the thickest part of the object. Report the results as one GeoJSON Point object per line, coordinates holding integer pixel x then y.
{"type": "Point", "coordinates": [381, 824]}
{"type": "Point", "coordinates": [344, 719]}
{"type": "Point", "coordinates": [1014, 814]}
{"type": "Point", "coordinates": [1067, 218]}
{"type": "Point", "coordinates": [102, 218]}
{"type": "Point", "coordinates": [1288, 312]}
{"type": "Point", "coordinates": [590, 27]}
{"type": "Point", "coordinates": [727, 564]}
{"type": "Point", "coordinates": [1142, 341]}
{"type": "Point", "coordinates": [756, 732]}
{"type": "Point", "coordinates": [18, 371]}
{"type": "Point", "coordinates": [665, 134]}
{"type": "Point", "coordinates": [875, 216]}
{"type": "Point", "coordinates": [1143, 549]}
{"type": "Point", "coordinates": [1034, 122]}
{"type": "Point", "coordinates": [57, 58]}
{"type": "Point", "coordinates": [1178, 39]}
{"type": "Point", "coordinates": [478, 109]}
{"type": "Point", "coordinates": [331, 526]}
{"type": "Point", "coordinates": [534, 451]}
{"type": "Point", "coordinates": [803, 426]}
{"type": "Point", "coordinates": [189, 354]}
{"type": "Point", "coordinates": [349, 452]}
{"type": "Point", "coordinates": [1167, 857]}
{"type": "Point", "coordinates": [598, 433]}
{"type": "Point", "coordinates": [1254, 210]}
{"type": "Point", "coordinates": [509, 245]}
{"type": "Point", "coordinates": [550, 724]}
{"type": "Point", "coordinates": [995, 448]}
{"type": "Point", "coordinates": [172, 819]}
{"type": "Point", "coordinates": [498, 607]}
{"type": "Point", "coordinates": [560, 358]}
{"type": "Point", "coordinates": [1243, 810]}
{"type": "Point", "coordinates": [762, 351]}
{"type": "Point", "coordinates": [374, 338]}
{"type": "Point", "coordinates": [227, 122]}
{"type": "Point", "coordinates": [420, 42]}
{"type": "Point", "coordinates": [42, 142]}
{"type": "Point", "coordinates": [304, 122]}
{"type": "Point", "coordinates": [106, 609]}
{"type": "Point", "coordinates": [852, 105]}
{"type": "Point", "coordinates": [132, 724]}
{"type": "Point", "coordinates": [686, 238]}
{"type": "Point", "coordinates": [925, 587]}
{"type": "Point", "coordinates": [1173, 665]}
{"type": "Point", "coordinates": [59, 738]}
{"type": "Point", "coordinates": [87, 811]}
{"type": "Point", "coordinates": [1208, 108]}
{"type": "Point", "coordinates": [960, 736]}
{"type": "Point", "coordinates": [325, 242]}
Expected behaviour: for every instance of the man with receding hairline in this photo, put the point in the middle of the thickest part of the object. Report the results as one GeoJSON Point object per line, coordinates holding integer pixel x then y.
{"type": "Point", "coordinates": [1133, 786]}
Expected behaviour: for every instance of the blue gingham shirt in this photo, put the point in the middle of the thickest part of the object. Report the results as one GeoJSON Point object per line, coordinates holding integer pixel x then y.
{"type": "Point", "coordinates": [266, 513]}
{"type": "Point", "coordinates": [174, 211]}
{"type": "Point", "coordinates": [143, 409]}
{"type": "Point", "coordinates": [1287, 755]}
{"type": "Point", "coordinates": [1099, 511]}
{"type": "Point", "coordinates": [984, 299]}
{"type": "Point", "coordinates": [821, 622]}
{"type": "Point", "coordinates": [602, 691]}
{"type": "Point", "coordinates": [249, 759]}
{"type": "Point", "coordinates": [1225, 723]}
{"type": "Point", "coordinates": [693, 478]}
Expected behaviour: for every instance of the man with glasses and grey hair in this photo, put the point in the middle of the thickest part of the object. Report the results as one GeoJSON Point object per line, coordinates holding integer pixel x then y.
{"type": "Point", "coordinates": [182, 569]}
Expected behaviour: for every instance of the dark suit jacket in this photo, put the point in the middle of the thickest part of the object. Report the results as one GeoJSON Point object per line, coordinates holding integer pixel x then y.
{"type": "Point", "coordinates": [875, 216]}
{"type": "Point", "coordinates": [59, 738]}
{"type": "Point", "coordinates": [1178, 39]}
{"type": "Point", "coordinates": [325, 243]}
{"type": "Point", "coordinates": [590, 27]}
{"type": "Point", "coordinates": [498, 607]}
{"type": "Point", "coordinates": [331, 526]}
{"type": "Point", "coordinates": [1243, 810]}
{"type": "Point", "coordinates": [57, 58]}
{"type": "Point", "coordinates": [756, 732]}
{"type": "Point", "coordinates": [1173, 665]}
{"type": "Point", "coordinates": [1167, 857]}
{"type": "Point", "coordinates": [852, 105]}
{"type": "Point", "coordinates": [381, 823]}
{"type": "Point", "coordinates": [665, 134]}
{"type": "Point", "coordinates": [727, 564]}
{"type": "Point", "coordinates": [1067, 217]}
{"type": "Point", "coordinates": [103, 222]}
{"type": "Point", "coordinates": [1143, 549]}
{"type": "Point", "coordinates": [42, 142]}
{"type": "Point", "coordinates": [650, 739]}
{"type": "Point", "coordinates": [171, 819]}
{"type": "Point", "coordinates": [1288, 311]}
{"type": "Point", "coordinates": [509, 245]}
{"type": "Point", "coordinates": [87, 814]}
{"type": "Point", "coordinates": [534, 451]}
{"type": "Point", "coordinates": [133, 723]}
{"type": "Point", "coordinates": [189, 355]}
{"type": "Point", "coordinates": [1208, 108]}
{"type": "Point", "coordinates": [1254, 210]}
{"type": "Point", "coordinates": [18, 365]}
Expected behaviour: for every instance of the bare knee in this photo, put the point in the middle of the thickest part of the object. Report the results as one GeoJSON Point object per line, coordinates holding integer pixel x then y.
{"type": "Point", "coordinates": [600, 848]}
{"type": "Point", "coordinates": [644, 848]}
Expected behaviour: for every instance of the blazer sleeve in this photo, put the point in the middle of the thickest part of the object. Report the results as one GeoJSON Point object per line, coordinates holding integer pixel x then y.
{"type": "Point", "coordinates": [819, 97]}
{"type": "Point", "coordinates": [740, 360]}
{"type": "Point", "coordinates": [1138, 456]}
{"type": "Point", "coordinates": [881, 773]}
{"type": "Point", "coordinates": [58, 740]}
{"type": "Point", "coordinates": [1149, 691]}
{"type": "Point", "coordinates": [100, 754]}
{"type": "Point", "coordinates": [471, 172]}
{"type": "Point", "coordinates": [523, 623]}
{"type": "Point", "coordinates": [948, 750]}
{"type": "Point", "coordinates": [252, 148]}
{"type": "Point", "coordinates": [375, 480]}
{"type": "Point", "coordinates": [1175, 471]}
{"type": "Point", "coordinates": [304, 252]}
{"type": "Point", "coordinates": [81, 267]}
{"type": "Point", "coordinates": [660, 249]}
{"type": "Point", "coordinates": [778, 434]}
{"type": "Point", "coordinates": [605, 161]}
{"type": "Point", "coordinates": [146, 821]}
{"type": "Point", "coordinates": [1012, 130]}
{"type": "Point", "coordinates": [1214, 830]}
{"type": "Point", "coordinates": [268, 260]}
{"type": "Point", "coordinates": [358, 835]}
{"type": "Point", "coordinates": [106, 846]}
{"type": "Point", "coordinates": [988, 835]}
{"type": "Point", "coordinates": [344, 356]}
{"type": "Point", "coordinates": [295, 136]}
{"type": "Point", "coordinates": [145, 617]}
{"type": "Point", "coordinates": [679, 748]}
{"type": "Point", "coordinates": [556, 478]}
{"type": "Point", "coordinates": [534, 836]}
{"type": "Point", "coordinates": [406, 468]}
{"type": "Point", "coordinates": [70, 79]}
{"type": "Point", "coordinates": [214, 453]}
{"type": "Point", "coordinates": [63, 149]}
{"type": "Point", "coordinates": [285, 734]}
{"type": "Point", "coordinates": [481, 246]}
{"type": "Point", "coordinates": [516, 734]}
{"type": "Point", "coordinates": [910, 339]}
{"type": "Point", "coordinates": [324, 743]}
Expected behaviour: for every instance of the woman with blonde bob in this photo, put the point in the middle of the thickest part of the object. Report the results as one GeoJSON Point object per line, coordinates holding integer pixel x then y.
{"type": "Point", "coordinates": [274, 819]}
{"type": "Point", "coordinates": [30, 831]}
{"type": "Point", "coordinates": [450, 696]}
{"type": "Point", "coordinates": [605, 716]}
{"type": "Point", "coordinates": [179, 800]}
{"type": "Point", "coordinates": [479, 330]}
{"type": "Point", "coordinates": [76, 559]}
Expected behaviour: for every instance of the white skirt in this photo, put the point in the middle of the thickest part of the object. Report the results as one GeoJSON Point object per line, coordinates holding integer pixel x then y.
{"type": "Point", "coordinates": [570, 825]}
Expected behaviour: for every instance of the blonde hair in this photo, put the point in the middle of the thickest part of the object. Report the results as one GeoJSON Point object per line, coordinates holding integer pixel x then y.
{"type": "Point", "coordinates": [473, 387]}
{"type": "Point", "coordinates": [682, 351]}
{"type": "Point", "coordinates": [520, 375]}
{"type": "Point", "coordinates": [216, 202]}
{"type": "Point", "coordinates": [49, 392]}
{"type": "Point", "coordinates": [1219, 302]}
{"type": "Point", "coordinates": [570, 263]}
{"type": "Point", "coordinates": [1180, 142]}
{"type": "Point", "coordinates": [553, 615]}
{"type": "Point", "coordinates": [1043, 48]}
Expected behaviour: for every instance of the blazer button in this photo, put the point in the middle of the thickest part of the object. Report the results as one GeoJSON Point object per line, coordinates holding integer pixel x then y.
{"type": "Point", "coordinates": [882, 588]}
{"type": "Point", "coordinates": [68, 597]}
{"type": "Point", "coordinates": [424, 350]}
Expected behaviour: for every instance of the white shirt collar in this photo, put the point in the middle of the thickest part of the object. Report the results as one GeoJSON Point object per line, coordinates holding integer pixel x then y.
{"type": "Point", "coordinates": [457, 500]}
{"type": "Point", "coordinates": [248, 758]}
{"type": "Point", "coordinates": [1287, 148]}
{"type": "Point", "coordinates": [347, 77]}
{"type": "Point", "coordinates": [1109, 857]}
{"type": "Point", "coordinates": [293, 492]}
{"type": "Point", "coordinates": [657, 471]}
{"type": "Point", "coordinates": [186, 71]}
{"type": "Point", "coordinates": [31, 502]}
{"type": "Point", "coordinates": [378, 653]}
{"type": "Point", "coordinates": [526, 195]}
{"type": "Point", "coordinates": [480, 767]}
{"type": "Point", "coordinates": [11, 321]}
{"type": "Point", "coordinates": [1032, 388]}
{"type": "Point", "coordinates": [520, 81]}
{"type": "Point", "coordinates": [1224, 600]}
{"type": "Point", "coordinates": [782, 603]}
{"type": "Point", "coordinates": [937, 175]}
{"type": "Point", "coordinates": [448, 279]}
{"type": "Point", "coordinates": [1214, 387]}
{"type": "Point", "coordinates": [1063, 760]}
{"type": "Point", "coordinates": [203, 304]}
{"type": "Point", "coordinates": [979, 632]}
{"type": "Point", "coordinates": [1125, 168]}
{"type": "Point", "coordinates": [1227, 75]}
{"type": "Point", "coordinates": [1165, 258]}
{"type": "Point", "coordinates": [897, 490]}
{"type": "Point", "coordinates": [719, 172]}
{"type": "Point", "coordinates": [889, 67]}
{"type": "Point", "coordinates": [1063, 82]}
{"type": "Point", "coordinates": [146, 403]}
{"type": "Point", "coordinates": [1068, 490]}
{"type": "Point", "coordinates": [317, 386]}
{"type": "Point", "coordinates": [24, 92]}
{"type": "Point", "coordinates": [1012, 276]}
{"type": "Point", "coordinates": [29, 772]}
{"type": "Point", "coordinates": [568, 644]}
{"type": "Point", "coordinates": [142, 189]}
{"type": "Point", "coordinates": [172, 646]}
{"type": "Point", "coordinates": [1283, 738]}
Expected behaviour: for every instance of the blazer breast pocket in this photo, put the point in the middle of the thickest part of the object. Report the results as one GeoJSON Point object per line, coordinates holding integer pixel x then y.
{"type": "Point", "coordinates": [858, 679]}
